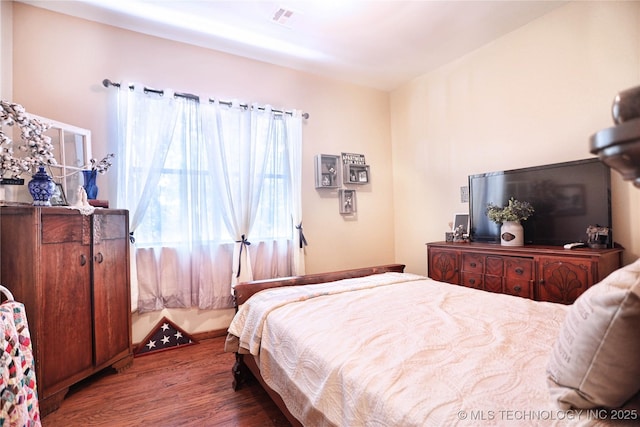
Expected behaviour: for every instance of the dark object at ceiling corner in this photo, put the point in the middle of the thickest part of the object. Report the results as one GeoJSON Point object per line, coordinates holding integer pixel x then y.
{"type": "Point", "coordinates": [626, 105]}
{"type": "Point", "coordinates": [619, 146]}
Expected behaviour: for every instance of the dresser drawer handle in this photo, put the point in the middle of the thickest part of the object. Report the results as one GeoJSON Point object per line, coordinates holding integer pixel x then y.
{"type": "Point", "coordinates": [83, 260]}
{"type": "Point", "coordinates": [99, 258]}
{"type": "Point", "coordinates": [472, 281]}
{"type": "Point", "coordinates": [473, 265]}
{"type": "Point", "coordinates": [520, 271]}
{"type": "Point", "coordinates": [517, 289]}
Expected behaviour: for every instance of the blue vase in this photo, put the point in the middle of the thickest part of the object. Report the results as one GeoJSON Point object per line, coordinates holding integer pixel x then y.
{"type": "Point", "coordinates": [41, 188]}
{"type": "Point", "coordinates": [90, 186]}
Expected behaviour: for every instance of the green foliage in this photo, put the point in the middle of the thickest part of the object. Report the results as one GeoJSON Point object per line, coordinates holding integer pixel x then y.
{"type": "Point", "coordinates": [514, 211]}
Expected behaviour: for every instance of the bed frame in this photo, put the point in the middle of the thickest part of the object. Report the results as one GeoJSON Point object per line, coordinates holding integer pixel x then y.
{"type": "Point", "coordinates": [246, 365]}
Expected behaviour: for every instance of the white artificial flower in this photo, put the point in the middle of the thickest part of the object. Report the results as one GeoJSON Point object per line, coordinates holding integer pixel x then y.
{"type": "Point", "coordinates": [34, 141]}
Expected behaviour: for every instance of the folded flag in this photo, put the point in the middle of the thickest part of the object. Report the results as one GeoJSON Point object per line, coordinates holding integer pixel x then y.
{"type": "Point", "coordinates": [165, 336]}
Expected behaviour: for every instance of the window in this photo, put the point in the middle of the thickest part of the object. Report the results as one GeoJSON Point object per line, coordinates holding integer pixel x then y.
{"type": "Point", "coordinates": [199, 179]}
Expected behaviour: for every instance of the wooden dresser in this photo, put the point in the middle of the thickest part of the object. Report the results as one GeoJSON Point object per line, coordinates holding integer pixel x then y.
{"type": "Point", "coordinates": [71, 271]}
{"type": "Point", "coordinates": [543, 273]}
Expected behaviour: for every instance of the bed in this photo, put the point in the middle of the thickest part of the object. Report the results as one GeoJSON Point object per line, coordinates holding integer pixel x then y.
{"type": "Point", "coordinates": [380, 347]}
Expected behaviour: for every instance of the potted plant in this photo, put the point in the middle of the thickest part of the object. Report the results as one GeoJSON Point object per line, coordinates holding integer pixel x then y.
{"type": "Point", "coordinates": [509, 217]}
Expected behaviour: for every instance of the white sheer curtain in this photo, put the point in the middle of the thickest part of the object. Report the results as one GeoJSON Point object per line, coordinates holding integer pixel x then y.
{"type": "Point", "coordinates": [293, 129]}
{"type": "Point", "coordinates": [213, 194]}
{"type": "Point", "coordinates": [254, 177]}
{"type": "Point", "coordinates": [147, 120]}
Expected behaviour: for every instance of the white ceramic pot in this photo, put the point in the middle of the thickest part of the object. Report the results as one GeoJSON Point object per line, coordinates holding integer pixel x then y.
{"type": "Point", "coordinates": [511, 234]}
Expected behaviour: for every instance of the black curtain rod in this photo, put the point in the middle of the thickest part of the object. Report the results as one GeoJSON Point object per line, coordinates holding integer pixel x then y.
{"type": "Point", "coordinates": [107, 83]}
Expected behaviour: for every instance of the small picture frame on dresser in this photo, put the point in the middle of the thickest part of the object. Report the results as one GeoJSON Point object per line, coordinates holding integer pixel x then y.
{"type": "Point", "coordinates": [460, 219]}
{"type": "Point", "coordinates": [58, 198]}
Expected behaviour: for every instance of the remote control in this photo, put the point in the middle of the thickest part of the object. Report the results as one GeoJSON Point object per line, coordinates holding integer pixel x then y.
{"type": "Point", "coordinates": [574, 245]}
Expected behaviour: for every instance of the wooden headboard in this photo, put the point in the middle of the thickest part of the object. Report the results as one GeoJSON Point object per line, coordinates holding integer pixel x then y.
{"type": "Point", "coordinates": [243, 291]}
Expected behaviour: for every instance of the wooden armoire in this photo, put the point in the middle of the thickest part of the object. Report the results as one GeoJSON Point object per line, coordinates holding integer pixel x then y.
{"type": "Point", "coordinates": [71, 271]}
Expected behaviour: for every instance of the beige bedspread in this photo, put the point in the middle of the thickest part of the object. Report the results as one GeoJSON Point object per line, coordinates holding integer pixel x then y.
{"type": "Point", "coordinates": [406, 353]}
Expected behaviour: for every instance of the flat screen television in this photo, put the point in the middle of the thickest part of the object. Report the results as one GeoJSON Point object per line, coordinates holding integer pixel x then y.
{"type": "Point", "coordinates": [567, 197]}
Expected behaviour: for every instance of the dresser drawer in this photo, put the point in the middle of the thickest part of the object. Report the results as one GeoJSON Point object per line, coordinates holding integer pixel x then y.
{"type": "Point", "coordinates": [472, 280]}
{"type": "Point", "coordinates": [65, 228]}
{"type": "Point", "coordinates": [519, 268]}
{"type": "Point", "coordinates": [473, 263]}
{"type": "Point", "coordinates": [518, 288]}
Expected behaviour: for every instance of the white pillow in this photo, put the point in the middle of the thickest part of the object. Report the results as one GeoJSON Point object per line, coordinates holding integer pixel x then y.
{"type": "Point", "coordinates": [595, 361]}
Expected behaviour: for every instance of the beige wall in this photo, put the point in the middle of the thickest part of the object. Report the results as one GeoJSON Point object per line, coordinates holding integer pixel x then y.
{"type": "Point", "coordinates": [6, 14]}
{"type": "Point", "coordinates": [59, 63]}
{"type": "Point", "coordinates": [532, 97]}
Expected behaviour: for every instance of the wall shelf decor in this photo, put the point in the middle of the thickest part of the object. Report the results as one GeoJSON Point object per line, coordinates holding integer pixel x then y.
{"type": "Point", "coordinates": [355, 169]}
{"type": "Point", "coordinates": [326, 170]}
{"type": "Point", "coordinates": [347, 202]}
{"type": "Point", "coordinates": [356, 174]}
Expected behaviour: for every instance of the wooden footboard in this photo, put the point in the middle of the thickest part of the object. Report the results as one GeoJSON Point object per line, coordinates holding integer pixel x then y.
{"type": "Point", "coordinates": [245, 363]}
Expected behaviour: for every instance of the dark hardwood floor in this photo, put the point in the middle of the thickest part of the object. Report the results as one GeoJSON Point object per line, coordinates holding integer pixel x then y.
{"type": "Point", "coordinates": [188, 386]}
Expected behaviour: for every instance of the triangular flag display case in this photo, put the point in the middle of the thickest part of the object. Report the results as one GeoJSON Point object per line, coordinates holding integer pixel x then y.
{"type": "Point", "coordinates": [165, 336]}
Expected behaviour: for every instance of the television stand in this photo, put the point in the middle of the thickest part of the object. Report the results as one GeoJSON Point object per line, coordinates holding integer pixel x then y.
{"type": "Point", "coordinates": [542, 273]}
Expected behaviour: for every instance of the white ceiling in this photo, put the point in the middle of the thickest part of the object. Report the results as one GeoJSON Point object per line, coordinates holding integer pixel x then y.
{"type": "Point", "coordinates": [375, 43]}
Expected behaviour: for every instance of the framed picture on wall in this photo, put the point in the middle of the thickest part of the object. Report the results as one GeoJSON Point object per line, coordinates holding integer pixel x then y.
{"type": "Point", "coordinates": [356, 174]}
{"type": "Point", "coordinates": [347, 202]}
{"type": "Point", "coordinates": [326, 171]}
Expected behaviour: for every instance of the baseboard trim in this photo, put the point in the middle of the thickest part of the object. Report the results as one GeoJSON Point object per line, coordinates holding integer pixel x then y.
{"type": "Point", "coordinates": [209, 334]}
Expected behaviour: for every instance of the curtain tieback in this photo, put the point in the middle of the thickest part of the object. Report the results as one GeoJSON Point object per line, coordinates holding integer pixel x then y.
{"type": "Point", "coordinates": [244, 242]}
{"type": "Point", "coordinates": [303, 240]}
